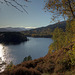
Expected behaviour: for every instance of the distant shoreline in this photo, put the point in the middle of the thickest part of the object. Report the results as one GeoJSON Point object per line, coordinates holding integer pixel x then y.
{"type": "Point", "coordinates": [39, 36]}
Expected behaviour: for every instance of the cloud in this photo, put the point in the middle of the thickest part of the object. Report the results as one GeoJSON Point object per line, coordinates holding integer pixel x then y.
{"type": "Point", "coordinates": [30, 27]}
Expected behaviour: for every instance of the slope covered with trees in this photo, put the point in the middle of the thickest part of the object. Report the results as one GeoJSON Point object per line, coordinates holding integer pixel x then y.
{"type": "Point", "coordinates": [12, 37]}
{"type": "Point", "coordinates": [45, 31]}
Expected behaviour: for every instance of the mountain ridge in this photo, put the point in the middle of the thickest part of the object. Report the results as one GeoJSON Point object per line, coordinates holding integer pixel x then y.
{"type": "Point", "coordinates": [11, 29]}
{"type": "Point", "coordinates": [45, 31]}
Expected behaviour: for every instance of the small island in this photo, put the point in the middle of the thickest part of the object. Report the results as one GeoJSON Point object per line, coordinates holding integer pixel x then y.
{"type": "Point", "coordinates": [12, 37]}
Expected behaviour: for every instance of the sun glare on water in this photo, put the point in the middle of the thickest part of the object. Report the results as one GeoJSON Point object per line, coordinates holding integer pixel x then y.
{"type": "Point", "coordinates": [2, 58]}
{"type": "Point", "coordinates": [1, 51]}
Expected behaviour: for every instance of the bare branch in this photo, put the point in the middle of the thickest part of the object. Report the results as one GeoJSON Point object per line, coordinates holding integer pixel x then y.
{"type": "Point", "coordinates": [71, 9]}
{"type": "Point", "coordinates": [20, 6]}
{"type": "Point", "coordinates": [17, 5]}
{"type": "Point", "coordinates": [1, 2]}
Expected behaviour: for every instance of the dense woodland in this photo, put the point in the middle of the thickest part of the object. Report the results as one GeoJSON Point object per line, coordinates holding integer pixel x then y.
{"type": "Point", "coordinates": [12, 37]}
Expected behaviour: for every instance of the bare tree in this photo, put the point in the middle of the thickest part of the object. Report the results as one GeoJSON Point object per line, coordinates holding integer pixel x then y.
{"type": "Point", "coordinates": [16, 4]}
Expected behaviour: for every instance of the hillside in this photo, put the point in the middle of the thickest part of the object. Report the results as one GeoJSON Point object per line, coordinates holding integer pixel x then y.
{"type": "Point", "coordinates": [57, 63]}
{"type": "Point", "coordinates": [45, 31]}
{"type": "Point", "coordinates": [12, 37]}
{"type": "Point", "coordinates": [10, 29]}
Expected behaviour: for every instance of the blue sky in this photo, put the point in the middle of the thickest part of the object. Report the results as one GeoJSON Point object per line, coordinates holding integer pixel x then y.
{"type": "Point", "coordinates": [36, 17]}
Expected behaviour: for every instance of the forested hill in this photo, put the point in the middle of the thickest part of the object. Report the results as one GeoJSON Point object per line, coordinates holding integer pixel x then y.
{"type": "Point", "coordinates": [11, 29]}
{"type": "Point", "coordinates": [59, 25]}
{"type": "Point", "coordinates": [12, 37]}
{"type": "Point", "coordinates": [45, 31]}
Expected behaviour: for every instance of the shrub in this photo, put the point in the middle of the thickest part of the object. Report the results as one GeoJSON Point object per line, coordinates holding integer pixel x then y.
{"type": "Point", "coordinates": [24, 71]}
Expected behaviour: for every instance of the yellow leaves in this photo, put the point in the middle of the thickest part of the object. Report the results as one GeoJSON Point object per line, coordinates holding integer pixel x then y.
{"type": "Point", "coordinates": [61, 6]}
{"type": "Point", "coordinates": [63, 39]}
{"type": "Point", "coordinates": [73, 25]}
{"type": "Point", "coordinates": [72, 56]}
{"type": "Point", "coordinates": [49, 5]}
{"type": "Point", "coordinates": [73, 48]}
{"type": "Point", "coordinates": [73, 29]}
{"type": "Point", "coordinates": [50, 48]}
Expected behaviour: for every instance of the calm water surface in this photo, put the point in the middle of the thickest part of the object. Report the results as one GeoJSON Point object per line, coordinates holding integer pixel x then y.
{"type": "Point", "coordinates": [36, 47]}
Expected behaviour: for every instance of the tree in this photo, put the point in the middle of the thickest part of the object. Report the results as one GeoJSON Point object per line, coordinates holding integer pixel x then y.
{"type": "Point", "coordinates": [58, 40]}
{"type": "Point", "coordinates": [27, 58]}
{"type": "Point", "coordinates": [16, 4]}
{"type": "Point", "coordinates": [58, 37]}
{"type": "Point", "coordinates": [64, 8]}
{"type": "Point", "coordinates": [61, 7]}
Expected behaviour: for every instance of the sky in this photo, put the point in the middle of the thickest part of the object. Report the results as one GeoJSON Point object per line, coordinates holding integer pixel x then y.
{"type": "Point", "coordinates": [36, 17]}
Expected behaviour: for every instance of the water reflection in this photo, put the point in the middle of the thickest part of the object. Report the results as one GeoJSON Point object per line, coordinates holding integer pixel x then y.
{"type": "Point", "coordinates": [2, 58]}
{"type": "Point", "coordinates": [36, 47]}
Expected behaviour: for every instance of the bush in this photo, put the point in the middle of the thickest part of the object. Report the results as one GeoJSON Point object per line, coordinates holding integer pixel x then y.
{"type": "Point", "coordinates": [24, 71]}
